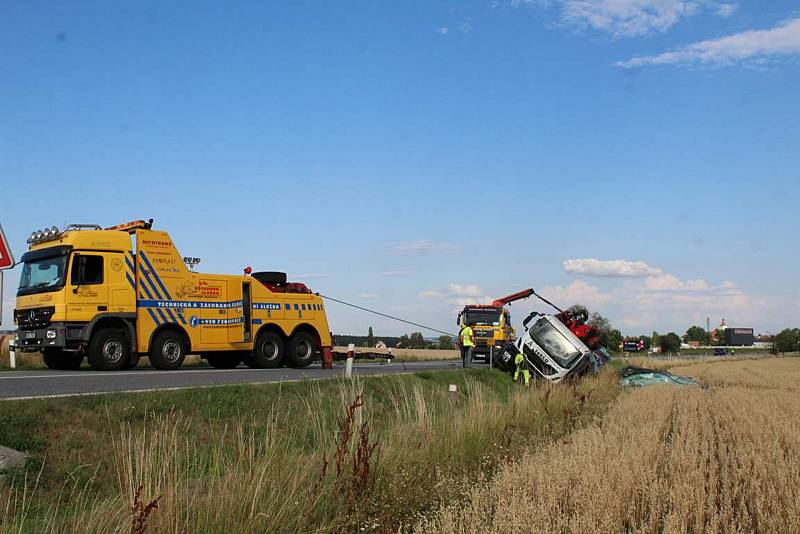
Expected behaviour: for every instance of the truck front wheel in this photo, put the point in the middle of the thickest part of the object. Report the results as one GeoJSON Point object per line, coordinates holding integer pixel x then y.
{"type": "Point", "coordinates": [63, 361]}
{"type": "Point", "coordinates": [167, 351]}
{"type": "Point", "coordinates": [302, 348]}
{"type": "Point", "coordinates": [108, 350]}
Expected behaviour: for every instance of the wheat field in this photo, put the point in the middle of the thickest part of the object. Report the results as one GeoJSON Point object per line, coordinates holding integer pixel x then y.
{"type": "Point", "coordinates": [725, 458]}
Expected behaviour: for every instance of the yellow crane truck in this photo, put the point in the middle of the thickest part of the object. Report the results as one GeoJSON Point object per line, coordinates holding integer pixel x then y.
{"type": "Point", "coordinates": [492, 324]}
{"type": "Point", "coordinates": [117, 293]}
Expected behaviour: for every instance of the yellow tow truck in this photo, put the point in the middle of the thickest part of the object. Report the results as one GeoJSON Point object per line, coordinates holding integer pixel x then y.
{"type": "Point", "coordinates": [491, 324]}
{"type": "Point", "coordinates": [115, 294]}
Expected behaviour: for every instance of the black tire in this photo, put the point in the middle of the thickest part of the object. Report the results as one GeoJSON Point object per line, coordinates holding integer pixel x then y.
{"type": "Point", "coordinates": [108, 350]}
{"type": "Point", "coordinates": [302, 348]}
{"type": "Point", "coordinates": [268, 351]}
{"type": "Point", "coordinates": [223, 359]}
{"type": "Point", "coordinates": [167, 351]}
{"type": "Point", "coordinates": [62, 361]}
{"type": "Point", "coordinates": [270, 277]}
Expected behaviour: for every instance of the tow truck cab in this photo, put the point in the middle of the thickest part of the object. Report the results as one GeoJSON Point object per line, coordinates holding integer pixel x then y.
{"type": "Point", "coordinates": [491, 326]}
{"type": "Point", "coordinates": [68, 285]}
{"type": "Point", "coordinates": [551, 350]}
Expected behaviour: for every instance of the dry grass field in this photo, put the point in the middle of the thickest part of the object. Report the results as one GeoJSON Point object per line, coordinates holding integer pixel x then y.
{"type": "Point", "coordinates": [326, 456]}
{"type": "Point", "coordinates": [720, 459]}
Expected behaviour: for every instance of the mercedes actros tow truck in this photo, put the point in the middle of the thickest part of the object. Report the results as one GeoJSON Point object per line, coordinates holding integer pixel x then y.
{"type": "Point", "coordinates": [115, 294]}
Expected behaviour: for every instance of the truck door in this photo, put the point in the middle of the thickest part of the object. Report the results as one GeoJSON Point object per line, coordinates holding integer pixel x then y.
{"type": "Point", "coordinates": [247, 312]}
{"type": "Point", "coordinates": [87, 290]}
{"type": "Point", "coordinates": [122, 296]}
{"type": "Point", "coordinates": [241, 316]}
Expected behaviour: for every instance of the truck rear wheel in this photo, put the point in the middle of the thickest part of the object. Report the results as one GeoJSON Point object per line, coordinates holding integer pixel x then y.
{"type": "Point", "coordinates": [224, 359]}
{"type": "Point", "coordinates": [302, 348]}
{"type": "Point", "coordinates": [167, 351]}
{"type": "Point", "coordinates": [108, 350]}
{"type": "Point", "coordinates": [267, 352]}
{"type": "Point", "coordinates": [63, 361]}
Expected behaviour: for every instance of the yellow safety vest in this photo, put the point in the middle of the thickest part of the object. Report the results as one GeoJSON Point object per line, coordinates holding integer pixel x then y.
{"type": "Point", "coordinates": [466, 337]}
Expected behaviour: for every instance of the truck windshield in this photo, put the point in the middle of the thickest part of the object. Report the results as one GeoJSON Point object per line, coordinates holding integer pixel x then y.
{"type": "Point", "coordinates": [554, 343]}
{"type": "Point", "coordinates": [482, 317]}
{"type": "Point", "coordinates": [42, 275]}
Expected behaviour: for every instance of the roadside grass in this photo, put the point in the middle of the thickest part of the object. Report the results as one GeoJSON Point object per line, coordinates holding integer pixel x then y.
{"type": "Point", "coordinates": [24, 360]}
{"type": "Point", "coordinates": [724, 458]}
{"type": "Point", "coordinates": [325, 456]}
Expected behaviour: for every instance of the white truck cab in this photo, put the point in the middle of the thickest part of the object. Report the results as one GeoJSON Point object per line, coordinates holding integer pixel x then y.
{"type": "Point", "coordinates": [551, 351]}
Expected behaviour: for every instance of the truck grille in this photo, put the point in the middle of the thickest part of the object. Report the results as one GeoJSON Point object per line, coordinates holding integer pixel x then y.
{"type": "Point", "coordinates": [538, 364]}
{"type": "Point", "coordinates": [483, 335]}
{"type": "Point", "coordinates": [34, 317]}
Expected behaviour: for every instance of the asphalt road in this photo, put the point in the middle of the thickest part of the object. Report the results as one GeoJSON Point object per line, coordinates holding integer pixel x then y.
{"type": "Point", "coordinates": [16, 385]}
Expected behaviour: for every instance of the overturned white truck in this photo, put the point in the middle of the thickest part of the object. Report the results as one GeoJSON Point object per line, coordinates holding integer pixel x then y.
{"type": "Point", "coordinates": [555, 347]}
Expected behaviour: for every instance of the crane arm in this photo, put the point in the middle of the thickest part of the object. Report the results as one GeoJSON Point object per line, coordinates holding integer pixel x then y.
{"type": "Point", "coordinates": [508, 299]}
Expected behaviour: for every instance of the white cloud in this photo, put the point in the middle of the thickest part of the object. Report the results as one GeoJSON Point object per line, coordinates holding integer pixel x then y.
{"type": "Point", "coordinates": [423, 246]}
{"type": "Point", "coordinates": [629, 18]}
{"type": "Point", "coordinates": [751, 45]}
{"type": "Point", "coordinates": [467, 291]}
{"type": "Point", "coordinates": [465, 27]}
{"type": "Point", "coordinates": [578, 292]}
{"type": "Point", "coordinates": [726, 10]}
{"type": "Point", "coordinates": [651, 298]}
{"type": "Point", "coordinates": [457, 295]}
{"type": "Point", "coordinates": [443, 30]}
{"type": "Point", "coordinates": [610, 268]}
{"type": "Point", "coordinates": [368, 296]}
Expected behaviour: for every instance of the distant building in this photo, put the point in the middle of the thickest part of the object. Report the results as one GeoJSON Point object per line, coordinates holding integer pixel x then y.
{"type": "Point", "coordinates": [739, 337]}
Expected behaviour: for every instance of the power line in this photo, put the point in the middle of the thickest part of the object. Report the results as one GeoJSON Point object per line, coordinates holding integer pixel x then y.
{"type": "Point", "coordinates": [387, 316]}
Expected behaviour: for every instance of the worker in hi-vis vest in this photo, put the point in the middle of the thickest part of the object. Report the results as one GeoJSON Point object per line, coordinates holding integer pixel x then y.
{"type": "Point", "coordinates": [467, 339]}
{"type": "Point", "coordinates": [522, 367]}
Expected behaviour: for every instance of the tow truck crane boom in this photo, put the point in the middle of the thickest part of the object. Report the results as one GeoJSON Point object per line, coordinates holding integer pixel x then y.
{"type": "Point", "coordinates": [502, 301]}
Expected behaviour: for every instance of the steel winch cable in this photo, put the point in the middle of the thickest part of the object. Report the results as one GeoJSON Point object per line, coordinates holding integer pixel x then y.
{"type": "Point", "coordinates": [547, 302]}
{"type": "Point", "coordinates": [386, 315]}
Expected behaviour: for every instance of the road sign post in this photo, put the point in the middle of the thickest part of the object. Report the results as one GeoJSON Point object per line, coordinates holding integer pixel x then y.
{"type": "Point", "coordinates": [6, 262]}
{"type": "Point", "coordinates": [12, 351]}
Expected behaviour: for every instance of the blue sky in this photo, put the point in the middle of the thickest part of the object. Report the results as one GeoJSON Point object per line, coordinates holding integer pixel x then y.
{"type": "Point", "coordinates": [640, 156]}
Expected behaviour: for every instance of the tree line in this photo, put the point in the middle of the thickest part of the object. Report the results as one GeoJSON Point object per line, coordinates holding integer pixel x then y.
{"type": "Point", "coordinates": [788, 340]}
{"type": "Point", "coordinates": [414, 340]}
